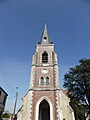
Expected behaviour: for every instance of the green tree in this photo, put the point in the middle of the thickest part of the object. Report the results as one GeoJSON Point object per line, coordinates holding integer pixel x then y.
{"type": "Point", "coordinates": [5, 115]}
{"type": "Point", "coordinates": [77, 81]}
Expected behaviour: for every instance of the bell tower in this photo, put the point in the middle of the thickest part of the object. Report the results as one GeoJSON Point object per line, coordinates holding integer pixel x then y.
{"type": "Point", "coordinates": [44, 99]}
{"type": "Point", "coordinates": [44, 63]}
{"type": "Point", "coordinates": [44, 80]}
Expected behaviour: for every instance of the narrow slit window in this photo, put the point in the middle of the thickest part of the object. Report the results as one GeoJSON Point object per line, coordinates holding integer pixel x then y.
{"type": "Point", "coordinates": [47, 80]}
{"type": "Point", "coordinates": [44, 57]}
{"type": "Point", "coordinates": [42, 81]}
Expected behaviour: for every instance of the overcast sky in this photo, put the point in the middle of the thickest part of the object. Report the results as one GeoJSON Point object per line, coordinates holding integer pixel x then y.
{"type": "Point", "coordinates": [21, 26]}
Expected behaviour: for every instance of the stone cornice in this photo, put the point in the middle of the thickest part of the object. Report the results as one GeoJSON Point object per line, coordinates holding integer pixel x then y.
{"type": "Point", "coordinates": [44, 89]}
{"type": "Point", "coordinates": [50, 65]}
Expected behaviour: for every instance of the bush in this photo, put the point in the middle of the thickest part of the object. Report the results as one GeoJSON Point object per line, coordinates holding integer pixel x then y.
{"type": "Point", "coordinates": [5, 115]}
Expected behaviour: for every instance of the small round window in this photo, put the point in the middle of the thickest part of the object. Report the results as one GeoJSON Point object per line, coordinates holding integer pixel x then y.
{"type": "Point", "coordinates": [45, 38]}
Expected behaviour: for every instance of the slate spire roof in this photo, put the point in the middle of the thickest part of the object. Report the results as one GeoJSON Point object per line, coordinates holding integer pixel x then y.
{"type": "Point", "coordinates": [45, 37]}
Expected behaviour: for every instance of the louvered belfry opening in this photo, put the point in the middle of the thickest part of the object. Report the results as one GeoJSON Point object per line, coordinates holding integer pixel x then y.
{"type": "Point", "coordinates": [45, 57]}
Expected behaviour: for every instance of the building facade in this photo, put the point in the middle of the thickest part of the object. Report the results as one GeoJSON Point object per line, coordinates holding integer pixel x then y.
{"type": "Point", "coordinates": [3, 97]}
{"type": "Point", "coordinates": [45, 100]}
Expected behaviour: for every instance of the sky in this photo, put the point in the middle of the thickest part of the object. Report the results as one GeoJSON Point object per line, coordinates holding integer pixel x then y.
{"type": "Point", "coordinates": [21, 26]}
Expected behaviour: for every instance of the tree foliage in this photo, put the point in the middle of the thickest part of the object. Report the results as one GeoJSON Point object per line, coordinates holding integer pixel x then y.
{"type": "Point", "coordinates": [5, 115]}
{"type": "Point", "coordinates": [77, 81]}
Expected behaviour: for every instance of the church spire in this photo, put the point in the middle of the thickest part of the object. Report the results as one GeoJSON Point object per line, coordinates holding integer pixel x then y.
{"type": "Point", "coordinates": [45, 37]}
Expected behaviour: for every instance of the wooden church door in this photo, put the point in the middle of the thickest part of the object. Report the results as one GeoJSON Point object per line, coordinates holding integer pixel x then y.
{"type": "Point", "coordinates": [44, 110]}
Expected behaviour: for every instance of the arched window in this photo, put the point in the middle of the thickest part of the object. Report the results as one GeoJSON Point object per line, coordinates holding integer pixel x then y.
{"type": "Point", "coordinates": [47, 80]}
{"type": "Point", "coordinates": [44, 57]}
{"type": "Point", "coordinates": [42, 81]}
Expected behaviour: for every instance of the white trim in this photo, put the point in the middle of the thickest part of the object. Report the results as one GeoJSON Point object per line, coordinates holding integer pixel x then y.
{"type": "Point", "coordinates": [37, 107]}
{"type": "Point", "coordinates": [29, 106]}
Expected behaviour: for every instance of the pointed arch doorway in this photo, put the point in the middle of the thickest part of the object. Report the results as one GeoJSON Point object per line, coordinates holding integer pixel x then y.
{"type": "Point", "coordinates": [44, 110]}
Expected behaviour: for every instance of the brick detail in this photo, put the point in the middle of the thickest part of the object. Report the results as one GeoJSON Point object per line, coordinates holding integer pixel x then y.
{"type": "Point", "coordinates": [56, 105]}
{"type": "Point", "coordinates": [31, 106]}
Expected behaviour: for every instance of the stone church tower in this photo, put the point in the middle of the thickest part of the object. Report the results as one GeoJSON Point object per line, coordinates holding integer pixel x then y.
{"type": "Point", "coordinates": [45, 100]}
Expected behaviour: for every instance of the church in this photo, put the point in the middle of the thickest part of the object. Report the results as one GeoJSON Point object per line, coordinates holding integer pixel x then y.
{"type": "Point", "coordinates": [45, 100]}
